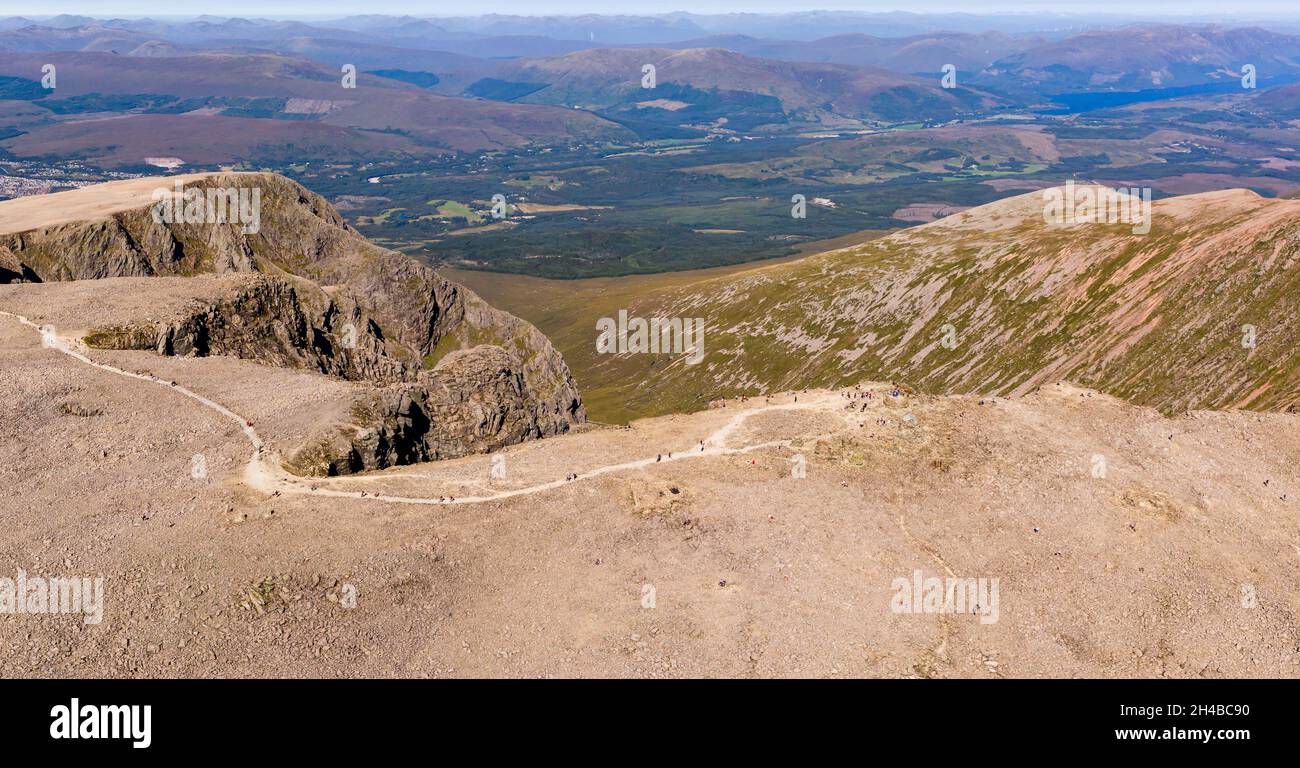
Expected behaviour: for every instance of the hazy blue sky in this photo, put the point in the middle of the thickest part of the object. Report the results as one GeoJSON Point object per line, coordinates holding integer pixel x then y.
{"type": "Point", "coordinates": [317, 8]}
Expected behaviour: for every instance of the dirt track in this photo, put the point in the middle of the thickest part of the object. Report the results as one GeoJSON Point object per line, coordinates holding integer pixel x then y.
{"type": "Point", "coordinates": [753, 571]}
{"type": "Point", "coordinates": [265, 473]}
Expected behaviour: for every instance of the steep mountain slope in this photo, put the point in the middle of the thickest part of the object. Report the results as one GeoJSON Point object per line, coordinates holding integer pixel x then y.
{"type": "Point", "coordinates": [612, 78]}
{"type": "Point", "coordinates": [995, 301]}
{"type": "Point", "coordinates": [304, 291]}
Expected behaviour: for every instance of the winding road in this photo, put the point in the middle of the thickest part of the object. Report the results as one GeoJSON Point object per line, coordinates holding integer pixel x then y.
{"type": "Point", "coordinates": [264, 472]}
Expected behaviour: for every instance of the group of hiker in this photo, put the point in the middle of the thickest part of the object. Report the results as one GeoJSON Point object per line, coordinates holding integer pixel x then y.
{"type": "Point", "coordinates": [767, 399]}
{"type": "Point", "coordinates": [858, 393]}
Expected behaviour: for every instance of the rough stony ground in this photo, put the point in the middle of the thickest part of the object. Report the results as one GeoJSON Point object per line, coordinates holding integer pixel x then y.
{"type": "Point", "coordinates": [86, 204]}
{"type": "Point", "coordinates": [77, 307]}
{"type": "Point", "coordinates": [755, 572]}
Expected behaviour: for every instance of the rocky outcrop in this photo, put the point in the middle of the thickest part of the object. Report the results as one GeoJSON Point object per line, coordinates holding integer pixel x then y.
{"type": "Point", "coordinates": [475, 401]}
{"type": "Point", "coordinates": [12, 270]}
{"type": "Point", "coordinates": [274, 320]}
{"type": "Point", "coordinates": [319, 297]}
{"type": "Point", "coordinates": [128, 244]}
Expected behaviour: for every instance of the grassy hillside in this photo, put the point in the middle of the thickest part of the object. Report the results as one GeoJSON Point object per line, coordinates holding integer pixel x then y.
{"type": "Point", "coordinates": [1156, 319]}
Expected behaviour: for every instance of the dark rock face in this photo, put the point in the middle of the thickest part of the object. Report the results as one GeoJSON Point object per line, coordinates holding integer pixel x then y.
{"type": "Point", "coordinates": [457, 376]}
{"type": "Point", "coordinates": [14, 271]}
{"type": "Point", "coordinates": [129, 244]}
{"type": "Point", "coordinates": [274, 321]}
{"type": "Point", "coordinates": [475, 401]}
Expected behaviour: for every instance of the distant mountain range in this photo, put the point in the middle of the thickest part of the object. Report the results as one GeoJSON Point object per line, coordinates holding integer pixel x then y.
{"type": "Point", "coordinates": [606, 29]}
{"type": "Point", "coordinates": [499, 82]}
{"type": "Point", "coordinates": [1047, 55]}
{"type": "Point", "coordinates": [1142, 57]}
{"type": "Point", "coordinates": [713, 83]}
{"type": "Point", "coordinates": [223, 107]}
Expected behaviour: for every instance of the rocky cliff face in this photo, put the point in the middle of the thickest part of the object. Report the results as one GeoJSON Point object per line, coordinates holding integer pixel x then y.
{"type": "Point", "coordinates": [277, 320]}
{"type": "Point", "coordinates": [12, 270]}
{"type": "Point", "coordinates": [457, 376]}
{"type": "Point", "coordinates": [476, 400]}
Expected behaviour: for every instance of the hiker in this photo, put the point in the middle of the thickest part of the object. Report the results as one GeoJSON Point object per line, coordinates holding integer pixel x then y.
{"type": "Point", "coordinates": [658, 458]}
